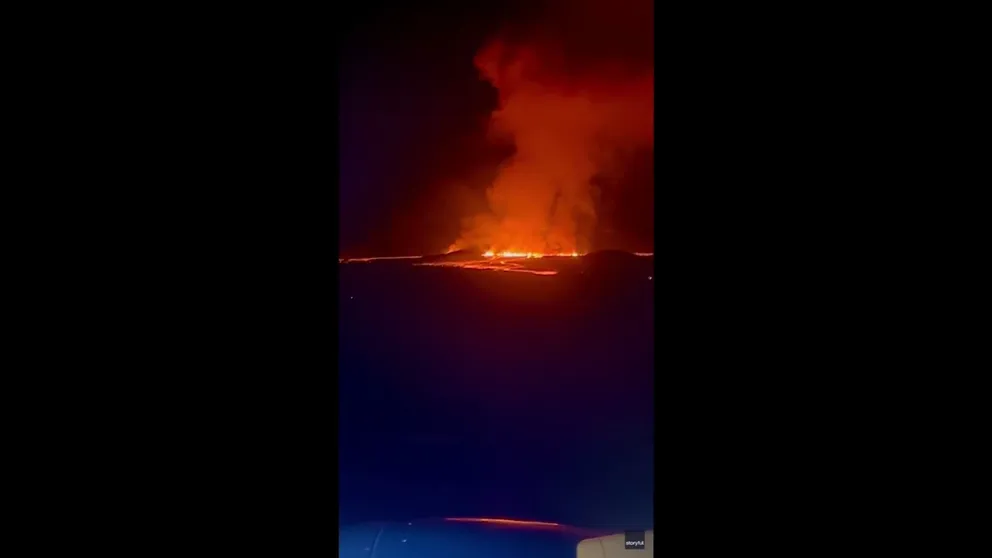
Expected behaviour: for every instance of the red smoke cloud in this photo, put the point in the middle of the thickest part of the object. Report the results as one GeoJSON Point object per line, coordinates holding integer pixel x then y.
{"type": "Point", "coordinates": [574, 115]}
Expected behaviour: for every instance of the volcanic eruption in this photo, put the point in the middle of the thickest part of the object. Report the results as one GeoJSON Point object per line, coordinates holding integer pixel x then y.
{"type": "Point", "coordinates": [573, 122]}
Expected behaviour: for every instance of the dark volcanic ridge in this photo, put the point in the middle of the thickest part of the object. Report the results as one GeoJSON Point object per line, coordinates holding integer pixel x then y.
{"type": "Point", "coordinates": [612, 258]}
{"type": "Point", "coordinates": [617, 263]}
{"type": "Point", "coordinates": [456, 256]}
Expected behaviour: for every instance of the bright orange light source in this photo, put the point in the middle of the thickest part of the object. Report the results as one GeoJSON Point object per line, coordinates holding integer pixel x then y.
{"type": "Point", "coordinates": [491, 254]}
{"type": "Point", "coordinates": [529, 255]}
{"type": "Point", "coordinates": [502, 521]}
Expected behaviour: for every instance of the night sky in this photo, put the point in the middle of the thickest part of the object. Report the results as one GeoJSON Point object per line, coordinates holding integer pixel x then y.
{"type": "Point", "coordinates": [415, 156]}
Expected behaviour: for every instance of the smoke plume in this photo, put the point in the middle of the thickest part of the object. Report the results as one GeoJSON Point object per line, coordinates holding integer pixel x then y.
{"type": "Point", "coordinates": [574, 116]}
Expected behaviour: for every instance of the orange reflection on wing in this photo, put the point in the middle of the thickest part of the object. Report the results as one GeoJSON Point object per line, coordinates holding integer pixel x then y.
{"type": "Point", "coordinates": [502, 521]}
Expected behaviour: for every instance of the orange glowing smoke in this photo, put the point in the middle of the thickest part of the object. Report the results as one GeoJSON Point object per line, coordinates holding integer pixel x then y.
{"type": "Point", "coordinates": [572, 130]}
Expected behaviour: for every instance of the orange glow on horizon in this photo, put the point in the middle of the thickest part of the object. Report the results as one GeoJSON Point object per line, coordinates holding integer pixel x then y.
{"type": "Point", "coordinates": [532, 255]}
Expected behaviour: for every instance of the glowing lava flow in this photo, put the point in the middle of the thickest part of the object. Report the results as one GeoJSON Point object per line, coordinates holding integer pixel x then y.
{"type": "Point", "coordinates": [505, 261]}
{"type": "Point", "coordinates": [494, 264]}
{"type": "Point", "coordinates": [366, 260]}
{"type": "Point", "coordinates": [514, 262]}
{"type": "Point", "coordinates": [491, 254]}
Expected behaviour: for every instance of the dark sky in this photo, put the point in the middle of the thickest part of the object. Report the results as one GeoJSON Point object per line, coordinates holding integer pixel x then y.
{"type": "Point", "coordinates": [413, 116]}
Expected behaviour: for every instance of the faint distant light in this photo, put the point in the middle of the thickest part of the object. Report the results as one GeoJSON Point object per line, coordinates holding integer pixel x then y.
{"type": "Point", "coordinates": [649, 277]}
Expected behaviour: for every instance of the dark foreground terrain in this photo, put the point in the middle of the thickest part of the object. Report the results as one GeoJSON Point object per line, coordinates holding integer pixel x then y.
{"type": "Point", "coordinates": [496, 394]}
